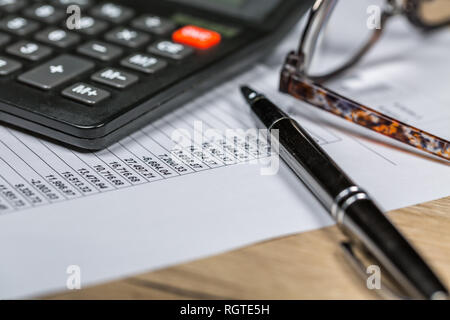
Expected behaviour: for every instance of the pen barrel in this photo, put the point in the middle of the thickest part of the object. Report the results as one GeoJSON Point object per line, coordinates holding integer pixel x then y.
{"type": "Point", "coordinates": [354, 211]}
{"type": "Point", "coordinates": [365, 222]}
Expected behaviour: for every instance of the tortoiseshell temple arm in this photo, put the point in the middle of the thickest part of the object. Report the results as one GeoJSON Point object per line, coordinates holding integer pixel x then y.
{"type": "Point", "coordinates": [300, 87]}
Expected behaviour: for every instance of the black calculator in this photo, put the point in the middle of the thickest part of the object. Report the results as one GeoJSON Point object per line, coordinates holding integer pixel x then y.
{"type": "Point", "coordinates": [87, 73]}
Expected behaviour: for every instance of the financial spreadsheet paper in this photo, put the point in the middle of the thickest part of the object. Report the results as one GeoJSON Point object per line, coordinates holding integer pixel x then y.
{"type": "Point", "coordinates": [142, 205]}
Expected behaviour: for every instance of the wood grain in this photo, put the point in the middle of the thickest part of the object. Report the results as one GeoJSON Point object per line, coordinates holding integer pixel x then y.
{"type": "Point", "coordinates": [304, 266]}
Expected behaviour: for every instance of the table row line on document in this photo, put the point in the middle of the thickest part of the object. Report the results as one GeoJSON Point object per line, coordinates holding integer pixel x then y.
{"type": "Point", "coordinates": [38, 172]}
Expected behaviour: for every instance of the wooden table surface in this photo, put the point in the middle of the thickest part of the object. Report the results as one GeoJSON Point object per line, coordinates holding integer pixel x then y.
{"type": "Point", "coordinates": [305, 266]}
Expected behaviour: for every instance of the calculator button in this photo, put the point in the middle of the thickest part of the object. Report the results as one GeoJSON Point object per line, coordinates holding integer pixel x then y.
{"type": "Point", "coordinates": [8, 66]}
{"type": "Point", "coordinates": [29, 50]}
{"type": "Point", "coordinates": [56, 72]}
{"type": "Point", "coordinates": [45, 13]}
{"type": "Point", "coordinates": [154, 24]}
{"type": "Point", "coordinates": [18, 25]}
{"type": "Point", "coordinates": [115, 78]}
{"type": "Point", "coordinates": [127, 37]}
{"type": "Point", "coordinates": [144, 63]}
{"type": "Point", "coordinates": [100, 50]}
{"type": "Point", "coordinates": [86, 93]}
{"type": "Point", "coordinates": [171, 50]}
{"type": "Point", "coordinates": [4, 39]}
{"type": "Point", "coordinates": [91, 26]}
{"type": "Point", "coordinates": [11, 5]}
{"type": "Point", "coordinates": [58, 37]}
{"type": "Point", "coordinates": [112, 12]}
{"type": "Point", "coordinates": [196, 37]}
{"type": "Point", "coordinates": [83, 4]}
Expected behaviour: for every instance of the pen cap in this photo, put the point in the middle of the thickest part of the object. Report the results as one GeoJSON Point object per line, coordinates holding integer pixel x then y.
{"type": "Point", "coordinates": [265, 111]}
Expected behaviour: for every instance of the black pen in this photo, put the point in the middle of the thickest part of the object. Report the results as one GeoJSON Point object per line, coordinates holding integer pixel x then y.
{"type": "Point", "coordinates": [352, 208]}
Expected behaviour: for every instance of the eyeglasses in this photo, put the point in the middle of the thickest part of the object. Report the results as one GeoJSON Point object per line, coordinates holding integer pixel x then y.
{"type": "Point", "coordinates": [299, 79]}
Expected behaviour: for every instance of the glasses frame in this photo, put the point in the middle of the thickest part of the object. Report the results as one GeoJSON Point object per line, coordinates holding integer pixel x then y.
{"type": "Point", "coordinates": [295, 80]}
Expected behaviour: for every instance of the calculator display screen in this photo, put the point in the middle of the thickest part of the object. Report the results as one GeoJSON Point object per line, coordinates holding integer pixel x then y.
{"type": "Point", "coordinates": [246, 9]}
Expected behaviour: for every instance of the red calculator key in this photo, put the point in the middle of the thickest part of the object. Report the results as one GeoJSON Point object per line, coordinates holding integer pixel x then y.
{"type": "Point", "coordinates": [197, 37]}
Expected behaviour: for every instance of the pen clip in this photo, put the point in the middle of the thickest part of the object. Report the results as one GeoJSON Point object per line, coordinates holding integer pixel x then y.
{"type": "Point", "coordinates": [386, 291]}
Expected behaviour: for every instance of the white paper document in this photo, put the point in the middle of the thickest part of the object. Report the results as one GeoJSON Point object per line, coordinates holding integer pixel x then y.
{"type": "Point", "coordinates": [149, 202]}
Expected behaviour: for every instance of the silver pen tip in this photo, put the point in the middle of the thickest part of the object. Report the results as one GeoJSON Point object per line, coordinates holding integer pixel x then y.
{"type": "Point", "coordinates": [249, 94]}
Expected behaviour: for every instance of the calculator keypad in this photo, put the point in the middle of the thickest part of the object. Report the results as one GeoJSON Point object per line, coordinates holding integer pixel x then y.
{"type": "Point", "coordinates": [115, 78]}
{"type": "Point", "coordinates": [127, 37]}
{"type": "Point", "coordinates": [4, 39]}
{"type": "Point", "coordinates": [58, 37]}
{"type": "Point", "coordinates": [8, 66]}
{"type": "Point", "coordinates": [100, 50]}
{"type": "Point", "coordinates": [172, 50]}
{"type": "Point", "coordinates": [154, 24]}
{"type": "Point", "coordinates": [112, 12]}
{"type": "Point", "coordinates": [29, 50]}
{"type": "Point", "coordinates": [91, 26]}
{"type": "Point", "coordinates": [86, 93]}
{"type": "Point", "coordinates": [144, 63]}
{"type": "Point", "coordinates": [112, 51]}
{"type": "Point", "coordinates": [56, 72]}
{"type": "Point", "coordinates": [11, 6]}
{"type": "Point", "coordinates": [197, 37]}
{"type": "Point", "coordinates": [18, 25]}
{"type": "Point", "coordinates": [45, 13]}
{"type": "Point", "coordinates": [83, 4]}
